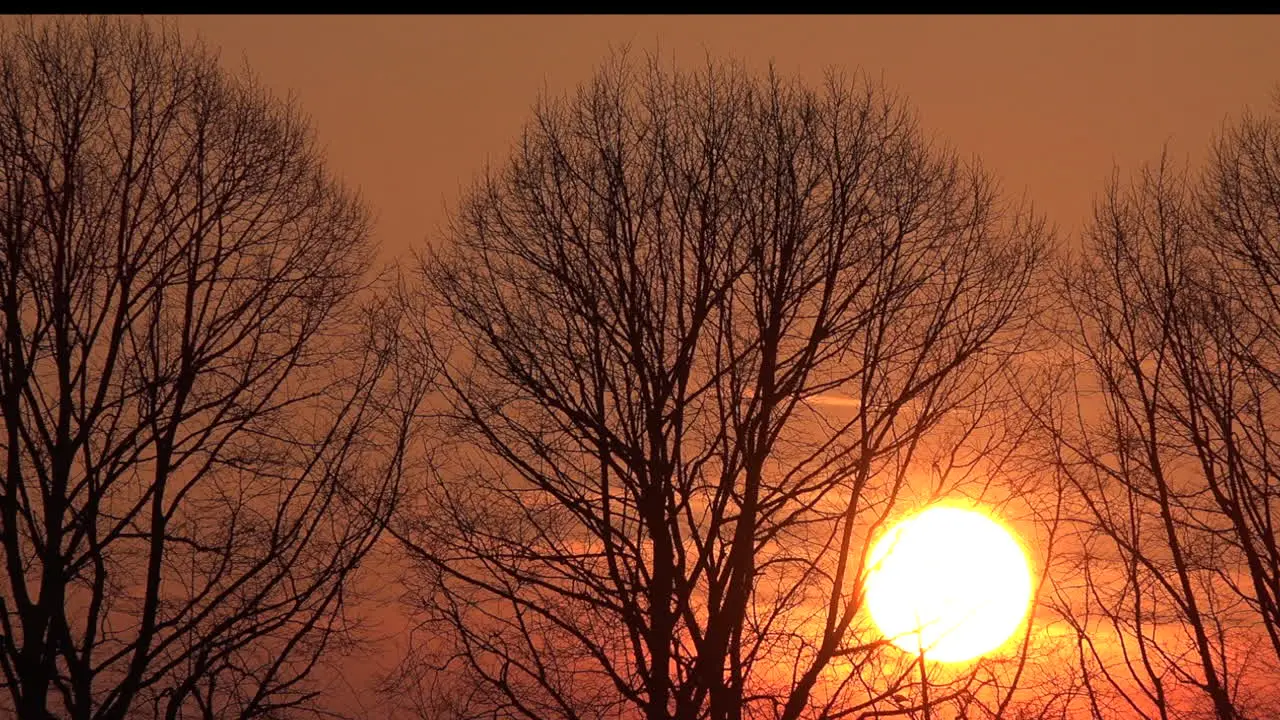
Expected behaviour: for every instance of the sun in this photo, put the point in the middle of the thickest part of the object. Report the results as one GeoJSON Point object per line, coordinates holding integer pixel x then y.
{"type": "Point", "coordinates": [951, 580]}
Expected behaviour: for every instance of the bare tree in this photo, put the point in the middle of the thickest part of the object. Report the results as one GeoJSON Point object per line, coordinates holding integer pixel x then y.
{"type": "Point", "coordinates": [190, 402]}
{"type": "Point", "coordinates": [1172, 447]}
{"type": "Point", "coordinates": [701, 336]}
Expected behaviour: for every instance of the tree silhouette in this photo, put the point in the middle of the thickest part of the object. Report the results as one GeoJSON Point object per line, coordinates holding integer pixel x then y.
{"type": "Point", "coordinates": [189, 414]}
{"type": "Point", "coordinates": [701, 336]}
{"type": "Point", "coordinates": [1172, 450]}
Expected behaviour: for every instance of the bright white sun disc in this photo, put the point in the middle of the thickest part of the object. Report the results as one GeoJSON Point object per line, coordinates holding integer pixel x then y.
{"type": "Point", "coordinates": [948, 579]}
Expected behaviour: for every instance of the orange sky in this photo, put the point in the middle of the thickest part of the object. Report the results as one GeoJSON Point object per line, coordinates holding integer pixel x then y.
{"type": "Point", "coordinates": [410, 107]}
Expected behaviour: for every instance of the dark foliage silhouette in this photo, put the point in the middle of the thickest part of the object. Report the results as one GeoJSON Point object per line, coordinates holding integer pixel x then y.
{"type": "Point", "coordinates": [189, 409]}
{"type": "Point", "coordinates": [697, 335]}
{"type": "Point", "coordinates": [1171, 449]}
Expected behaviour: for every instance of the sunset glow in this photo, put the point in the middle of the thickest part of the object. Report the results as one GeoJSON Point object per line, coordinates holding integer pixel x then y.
{"type": "Point", "coordinates": [951, 580]}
